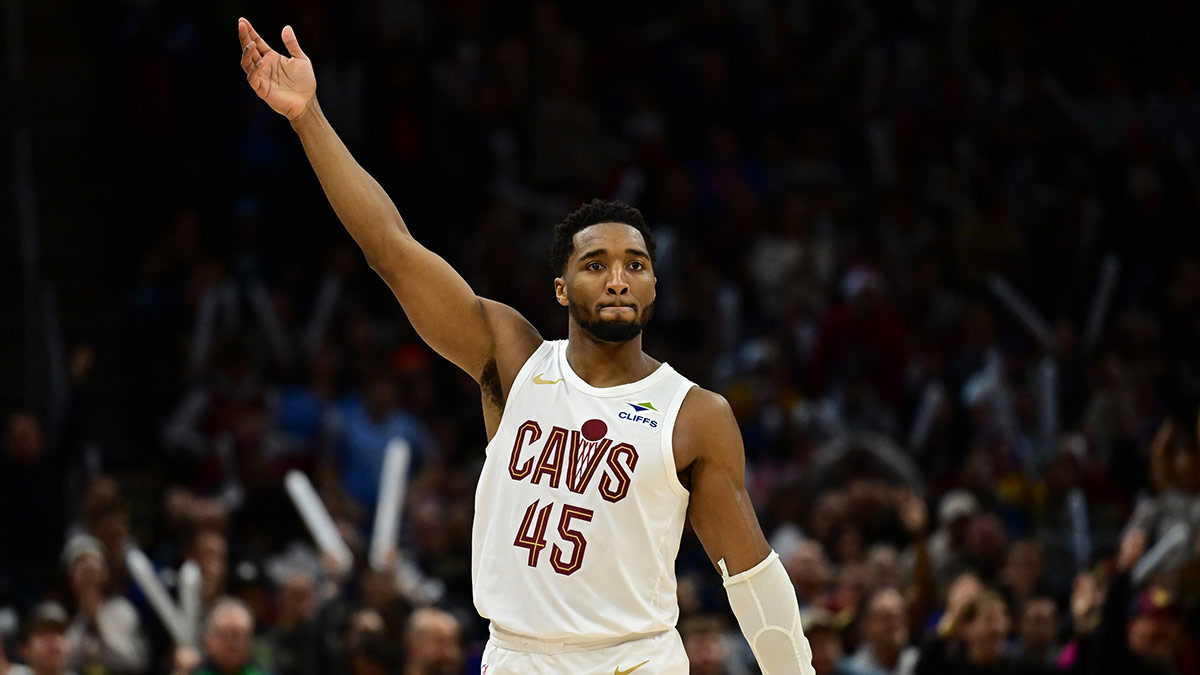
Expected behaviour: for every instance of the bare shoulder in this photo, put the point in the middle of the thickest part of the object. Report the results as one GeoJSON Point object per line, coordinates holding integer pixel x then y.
{"type": "Point", "coordinates": [706, 429]}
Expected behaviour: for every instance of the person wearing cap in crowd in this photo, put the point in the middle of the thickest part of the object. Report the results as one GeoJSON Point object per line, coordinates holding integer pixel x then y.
{"type": "Point", "coordinates": [824, 638]}
{"type": "Point", "coordinates": [104, 636]}
{"type": "Point", "coordinates": [947, 545]}
{"type": "Point", "coordinates": [43, 642]}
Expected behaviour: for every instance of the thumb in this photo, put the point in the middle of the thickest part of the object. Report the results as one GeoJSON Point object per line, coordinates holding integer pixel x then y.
{"type": "Point", "coordinates": [292, 44]}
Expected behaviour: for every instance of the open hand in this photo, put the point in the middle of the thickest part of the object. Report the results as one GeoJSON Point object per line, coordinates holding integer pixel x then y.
{"type": "Point", "coordinates": [288, 85]}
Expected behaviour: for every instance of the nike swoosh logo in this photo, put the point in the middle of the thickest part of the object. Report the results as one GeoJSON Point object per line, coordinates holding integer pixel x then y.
{"type": "Point", "coordinates": [537, 379]}
{"type": "Point", "coordinates": [618, 671]}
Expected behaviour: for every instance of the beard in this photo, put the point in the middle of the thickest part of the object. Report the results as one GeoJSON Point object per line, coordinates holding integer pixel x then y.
{"type": "Point", "coordinates": [609, 331]}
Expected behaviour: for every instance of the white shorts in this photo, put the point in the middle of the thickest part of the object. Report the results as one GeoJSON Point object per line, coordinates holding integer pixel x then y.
{"type": "Point", "coordinates": [655, 654]}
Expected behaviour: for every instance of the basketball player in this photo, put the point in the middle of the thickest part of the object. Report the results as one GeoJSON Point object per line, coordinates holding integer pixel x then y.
{"type": "Point", "coordinates": [596, 452]}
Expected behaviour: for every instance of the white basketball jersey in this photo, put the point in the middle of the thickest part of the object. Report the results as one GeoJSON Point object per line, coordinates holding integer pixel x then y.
{"type": "Point", "coordinates": [579, 511]}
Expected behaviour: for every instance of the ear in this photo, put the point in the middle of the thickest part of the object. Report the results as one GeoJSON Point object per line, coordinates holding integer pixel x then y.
{"type": "Point", "coordinates": [560, 291]}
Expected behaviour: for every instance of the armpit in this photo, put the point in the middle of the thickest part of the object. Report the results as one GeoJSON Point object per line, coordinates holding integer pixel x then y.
{"type": "Point", "coordinates": [489, 384]}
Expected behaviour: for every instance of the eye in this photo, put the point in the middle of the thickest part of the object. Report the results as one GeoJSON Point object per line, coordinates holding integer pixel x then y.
{"type": "Point", "coordinates": [637, 266]}
{"type": "Point", "coordinates": [594, 266]}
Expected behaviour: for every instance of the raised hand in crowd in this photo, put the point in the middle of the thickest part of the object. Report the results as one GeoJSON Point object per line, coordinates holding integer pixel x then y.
{"type": "Point", "coordinates": [963, 591]}
{"type": "Point", "coordinates": [1133, 545]}
{"type": "Point", "coordinates": [913, 513]}
{"type": "Point", "coordinates": [1086, 601]}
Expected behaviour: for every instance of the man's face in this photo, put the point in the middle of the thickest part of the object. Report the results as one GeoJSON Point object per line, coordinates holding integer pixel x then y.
{"type": "Point", "coordinates": [296, 599]}
{"type": "Point", "coordinates": [986, 633]}
{"type": "Point", "coordinates": [24, 437]}
{"type": "Point", "coordinates": [885, 627]}
{"type": "Point", "coordinates": [212, 555]}
{"type": "Point", "coordinates": [1039, 624]}
{"type": "Point", "coordinates": [435, 644]}
{"type": "Point", "coordinates": [608, 283]}
{"type": "Point", "coordinates": [46, 651]}
{"type": "Point", "coordinates": [88, 572]}
{"type": "Point", "coordinates": [1152, 637]}
{"type": "Point", "coordinates": [229, 639]}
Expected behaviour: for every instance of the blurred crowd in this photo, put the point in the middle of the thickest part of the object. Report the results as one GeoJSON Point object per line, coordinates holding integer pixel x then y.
{"type": "Point", "coordinates": [940, 257]}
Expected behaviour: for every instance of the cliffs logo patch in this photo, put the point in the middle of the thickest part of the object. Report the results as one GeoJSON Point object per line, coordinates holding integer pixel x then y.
{"type": "Point", "coordinates": [637, 415]}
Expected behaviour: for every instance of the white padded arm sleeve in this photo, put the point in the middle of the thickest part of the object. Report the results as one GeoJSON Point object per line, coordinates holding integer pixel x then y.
{"type": "Point", "coordinates": [764, 602]}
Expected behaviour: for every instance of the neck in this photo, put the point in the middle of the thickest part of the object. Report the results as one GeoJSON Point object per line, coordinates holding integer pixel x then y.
{"type": "Point", "coordinates": [887, 655]}
{"type": "Point", "coordinates": [606, 364]}
{"type": "Point", "coordinates": [982, 656]}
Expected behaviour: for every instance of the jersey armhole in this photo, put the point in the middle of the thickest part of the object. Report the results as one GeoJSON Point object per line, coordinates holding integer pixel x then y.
{"type": "Point", "coordinates": [523, 375]}
{"type": "Point", "coordinates": [669, 440]}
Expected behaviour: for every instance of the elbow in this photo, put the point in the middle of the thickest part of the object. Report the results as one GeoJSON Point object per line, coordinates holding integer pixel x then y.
{"type": "Point", "coordinates": [387, 253]}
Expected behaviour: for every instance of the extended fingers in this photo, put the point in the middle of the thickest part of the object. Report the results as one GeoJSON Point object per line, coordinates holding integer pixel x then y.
{"type": "Point", "coordinates": [248, 35]}
{"type": "Point", "coordinates": [249, 57]}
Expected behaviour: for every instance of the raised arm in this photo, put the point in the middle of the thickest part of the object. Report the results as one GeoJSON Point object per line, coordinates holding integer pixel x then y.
{"type": "Point", "coordinates": [761, 595]}
{"type": "Point", "coordinates": [488, 340]}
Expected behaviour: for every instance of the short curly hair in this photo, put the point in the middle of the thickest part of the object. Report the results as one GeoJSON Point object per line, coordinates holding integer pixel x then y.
{"type": "Point", "coordinates": [592, 213]}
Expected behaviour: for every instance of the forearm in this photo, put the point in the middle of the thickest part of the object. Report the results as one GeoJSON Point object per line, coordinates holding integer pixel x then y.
{"type": "Point", "coordinates": [764, 602]}
{"type": "Point", "coordinates": [360, 203]}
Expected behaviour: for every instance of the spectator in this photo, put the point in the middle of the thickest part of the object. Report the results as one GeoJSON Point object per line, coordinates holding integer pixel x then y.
{"type": "Point", "coordinates": [365, 648]}
{"type": "Point", "coordinates": [824, 639]}
{"type": "Point", "coordinates": [982, 624]}
{"type": "Point", "coordinates": [1037, 631]}
{"type": "Point", "coordinates": [228, 643]}
{"type": "Point", "coordinates": [1138, 632]}
{"type": "Point", "coordinates": [1021, 576]}
{"type": "Point", "coordinates": [948, 544]}
{"type": "Point", "coordinates": [433, 644]}
{"type": "Point", "coordinates": [366, 424]}
{"type": "Point", "coordinates": [105, 635]}
{"type": "Point", "coordinates": [809, 571]}
{"type": "Point", "coordinates": [1178, 505]}
{"type": "Point", "coordinates": [31, 525]}
{"type": "Point", "coordinates": [885, 648]}
{"type": "Point", "coordinates": [209, 549]}
{"type": "Point", "coordinates": [293, 639]}
{"type": "Point", "coordinates": [704, 641]}
{"type": "Point", "coordinates": [44, 642]}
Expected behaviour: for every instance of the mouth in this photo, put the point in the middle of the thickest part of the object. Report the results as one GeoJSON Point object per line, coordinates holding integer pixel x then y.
{"type": "Point", "coordinates": [615, 311]}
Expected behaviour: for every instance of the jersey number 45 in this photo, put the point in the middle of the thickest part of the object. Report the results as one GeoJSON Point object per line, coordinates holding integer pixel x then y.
{"type": "Point", "coordinates": [532, 535]}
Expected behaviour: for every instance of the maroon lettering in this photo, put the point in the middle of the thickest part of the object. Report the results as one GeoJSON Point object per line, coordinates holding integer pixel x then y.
{"type": "Point", "coordinates": [569, 567]}
{"type": "Point", "coordinates": [620, 474]}
{"type": "Point", "coordinates": [551, 459]}
{"type": "Point", "coordinates": [516, 470]}
{"type": "Point", "coordinates": [532, 534]}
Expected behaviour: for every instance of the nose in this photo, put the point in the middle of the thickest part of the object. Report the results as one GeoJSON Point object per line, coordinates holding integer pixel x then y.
{"type": "Point", "coordinates": [616, 284]}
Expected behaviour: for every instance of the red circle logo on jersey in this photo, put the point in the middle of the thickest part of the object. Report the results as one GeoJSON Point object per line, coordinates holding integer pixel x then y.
{"type": "Point", "coordinates": [594, 430]}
